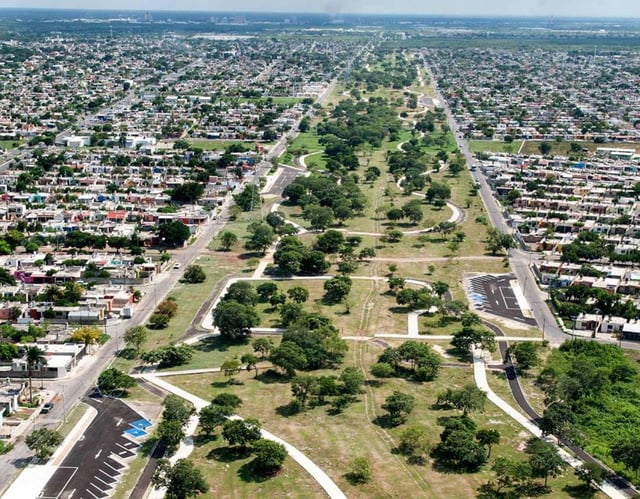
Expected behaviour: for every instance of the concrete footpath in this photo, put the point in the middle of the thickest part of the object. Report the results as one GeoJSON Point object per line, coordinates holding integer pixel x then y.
{"type": "Point", "coordinates": [35, 476]}
{"type": "Point", "coordinates": [186, 447]}
{"type": "Point", "coordinates": [480, 376]}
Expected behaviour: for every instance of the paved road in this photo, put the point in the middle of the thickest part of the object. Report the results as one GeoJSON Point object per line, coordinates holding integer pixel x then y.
{"type": "Point", "coordinates": [286, 176]}
{"type": "Point", "coordinates": [99, 458]}
{"type": "Point", "coordinates": [495, 295]}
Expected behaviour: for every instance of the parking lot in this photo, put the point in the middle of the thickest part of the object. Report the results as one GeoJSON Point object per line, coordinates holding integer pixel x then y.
{"type": "Point", "coordinates": [494, 295]}
{"type": "Point", "coordinates": [100, 457]}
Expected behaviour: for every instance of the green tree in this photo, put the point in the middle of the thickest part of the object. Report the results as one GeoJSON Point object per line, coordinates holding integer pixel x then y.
{"type": "Point", "coordinates": [135, 336]}
{"type": "Point", "coordinates": [226, 399]}
{"type": "Point", "coordinates": [331, 241]}
{"type": "Point", "coordinates": [8, 351]}
{"type": "Point", "coordinates": [544, 459]}
{"type": "Point", "coordinates": [337, 288]}
{"type": "Point", "coordinates": [467, 399]}
{"type": "Point", "coordinates": [525, 353]}
{"type": "Point", "coordinates": [227, 240]}
{"type": "Point", "coordinates": [189, 192]}
{"type": "Point", "coordinates": [173, 233]}
{"type": "Point", "coordinates": [319, 217]}
{"type": "Point", "coordinates": [194, 274]}
{"type": "Point", "coordinates": [497, 241]}
{"type": "Point", "coordinates": [590, 473]}
{"type": "Point", "coordinates": [298, 294]}
{"type": "Point", "coordinates": [382, 370]}
{"type": "Point", "coordinates": [172, 432]}
{"type": "Point", "coordinates": [213, 416]}
{"type": "Point", "coordinates": [43, 442]}
{"type": "Point", "coordinates": [113, 380]}
{"type": "Point", "coordinates": [249, 199]}
{"type": "Point", "coordinates": [415, 443]}
{"type": "Point", "coordinates": [182, 480]}
{"type": "Point", "coordinates": [398, 406]}
{"type": "Point", "coordinates": [269, 456]}
{"type": "Point", "coordinates": [241, 432]}
{"type": "Point", "coordinates": [263, 346]}
{"type": "Point", "coordinates": [351, 381]}
{"type": "Point", "coordinates": [235, 320]}
{"type": "Point", "coordinates": [302, 387]}
{"type": "Point", "coordinates": [88, 335]}
{"type": "Point", "coordinates": [177, 409]}
{"type": "Point", "coordinates": [266, 289]}
{"type": "Point", "coordinates": [360, 471]}
{"type": "Point", "coordinates": [627, 452]}
{"type": "Point", "coordinates": [469, 337]}
{"type": "Point", "coordinates": [289, 357]}
{"type": "Point", "coordinates": [230, 368]}
{"type": "Point", "coordinates": [261, 236]}
{"type": "Point", "coordinates": [488, 438]}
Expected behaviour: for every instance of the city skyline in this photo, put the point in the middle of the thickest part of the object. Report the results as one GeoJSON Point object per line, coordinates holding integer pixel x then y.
{"type": "Point", "coordinates": [569, 8]}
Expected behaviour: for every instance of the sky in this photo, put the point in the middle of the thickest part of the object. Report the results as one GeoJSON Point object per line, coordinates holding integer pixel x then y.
{"type": "Point", "coordinates": [569, 8]}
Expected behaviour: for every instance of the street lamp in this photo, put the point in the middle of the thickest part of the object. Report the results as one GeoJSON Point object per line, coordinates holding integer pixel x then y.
{"type": "Point", "coordinates": [64, 406]}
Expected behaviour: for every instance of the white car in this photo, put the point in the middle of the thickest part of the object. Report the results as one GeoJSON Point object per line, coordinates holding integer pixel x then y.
{"type": "Point", "coordinates": [177, 265]}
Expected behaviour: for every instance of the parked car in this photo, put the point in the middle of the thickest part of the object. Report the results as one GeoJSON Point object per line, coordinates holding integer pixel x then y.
{"type": "Point", "coordinates": [46, 408]}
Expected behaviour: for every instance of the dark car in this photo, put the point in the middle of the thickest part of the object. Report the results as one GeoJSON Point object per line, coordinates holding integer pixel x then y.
{"type": "Point", "coordinates": [46, 408]}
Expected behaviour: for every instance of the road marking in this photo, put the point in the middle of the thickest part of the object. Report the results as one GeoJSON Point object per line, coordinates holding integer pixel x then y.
{"type": "Point", "coordinates": [119, 422]}
{"type": "Point", "coordinates": [98, 454]}
{"type": "Point", "coordinates": [71, 494]}
{"type": "Point", "coordinates": [93, 494]}
{"type": "Point", "coordinates": [98, 478]}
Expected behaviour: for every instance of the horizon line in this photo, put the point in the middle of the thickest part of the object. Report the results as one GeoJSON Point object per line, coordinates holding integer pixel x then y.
{"type": "Point", "coordinates": [332, 14]}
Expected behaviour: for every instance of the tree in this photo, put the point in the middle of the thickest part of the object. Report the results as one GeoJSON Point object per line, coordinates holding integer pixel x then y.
{"type": "Point", "coordinates": [627, 452]}
{"type": "Point", "coordinates": [194, 274]}
{"type": "Point", "coordinates": [360, 470]}
{"type": "Point", "coordinates": [241, 432]}
{"type": "Point", "coordinates": [497, 241]}
{"type": "Point", "coordinates": [158, 321]}
{"type": "Point", "coordinates": [337, 288]}
{"type": "Point", "coordinates": [438, 191]}
{"type": "Point", "coordinates": [398, 406]}
{"type": "Point", "coordinates": [509, 474]}
{"type": "Point", "coordinates": [466, 399]}
{"type": "Point", "coordinates": [235, 320]}
{"type": "Point", "coordinates": [266, 290]}
{"type": "Point", "coordinates": [263, 346]}
{"type": "Point", "coordinates": [269, 456]}
{"type": "Point", "coordinates": [230, 368]}
{"type": "Point", "coordinates": [135, 336]}
{"type": "Point", "coordinates": [458, 447]}
{"type": "Point", "coordinates": [227, 400]}
{"type": "Point", "coordinates": [414, 443]}
{"type": "Point", "coordinates": [113, 380]}
{"type": "Point", "coordinates": [298, 294]}
{"type": "Point", "coordinates": [43, 442]}
{"type": "Point", "coordinates": [8, 351]}
{"type": "Point", "coordinates": [302, 387]}
{"type": "Point", "coordinates": [213, 416]}
{"type": "Point", "coordinates": [488, 438]}
{"type": "Point", "coordinates": [319, 217]}
{"type": "Point", "coordinates": [249, 199]}
{"type": "Point", "coordinates": [177, 409]}
{"type": "Point", "coordinates": [227, 240]}
{"type": "Point", "coordinates": [261, 236]}
{"type": "Point", "coordinates": [35, 357]}
{"type": "Point", "coordinates": [242, 292]}
{"type": "Point", "coordinates": [382, 370]}
{"type": "Point", "coordinates": [544, 459]}
{"type": "Point", "coordinates": [182, 480]}
{"type": "Point", "coordinates": [352, 380]}
{"type": "Point", "coordinates": [413, 211]}
{"type": "Point", "coordinates": [289, 357]}
{"type": "Point", "coordinates": [469, 337]}
{"type": "Point", "coordinates": [545, 148]}
{"type": "Point", "coordinates": [330, 242]}
{"type": "Point", "coordinates": [590, 473]}
{"type": "Point", "coordinates": [174, 233]}
{"type": "Point", "coordinates": [525, 353]}
{"type": "Point", "coordinates": [172, 432]}
{"type": "Point", "coordinates": [189, 192]}
{"type": "Point", "coordinates": [86, 334]}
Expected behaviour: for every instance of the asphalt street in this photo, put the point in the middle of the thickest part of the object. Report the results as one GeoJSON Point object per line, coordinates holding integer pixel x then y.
{"type": "Point", "coordinates": [100, 457]}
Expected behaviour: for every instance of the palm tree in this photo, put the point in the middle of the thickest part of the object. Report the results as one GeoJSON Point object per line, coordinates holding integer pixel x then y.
{"type": "Point", "coordinates": [34, 357]}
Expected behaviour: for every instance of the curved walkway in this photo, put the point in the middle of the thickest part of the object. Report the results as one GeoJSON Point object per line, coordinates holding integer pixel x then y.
{"type": "Point", "coordinates": [302, 159]}
{"type": "Point", "coordinates": [186, 447]}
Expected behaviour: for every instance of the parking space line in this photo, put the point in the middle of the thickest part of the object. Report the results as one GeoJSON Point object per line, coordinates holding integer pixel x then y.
{"type": "Point", "coordinates": [101, 480]}
{"type": "Point", "coordinates": [95, 496]}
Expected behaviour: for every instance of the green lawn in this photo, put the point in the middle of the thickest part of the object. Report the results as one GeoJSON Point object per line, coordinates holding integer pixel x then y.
{"type": "Point", "coordinates": [332, 441]}
{"type": "Point", "coordinates": [10, 144]}
{"type": "Point", "coordinates": [494, 146]}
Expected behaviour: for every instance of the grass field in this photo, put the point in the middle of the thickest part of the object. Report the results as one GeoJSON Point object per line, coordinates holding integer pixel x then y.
{"type": "Point", "coordinates": [10, 144]}
{"type": "Point", "coordinates": [494, 146]}
{"type": "Point", "coordinates": [332, 441]}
